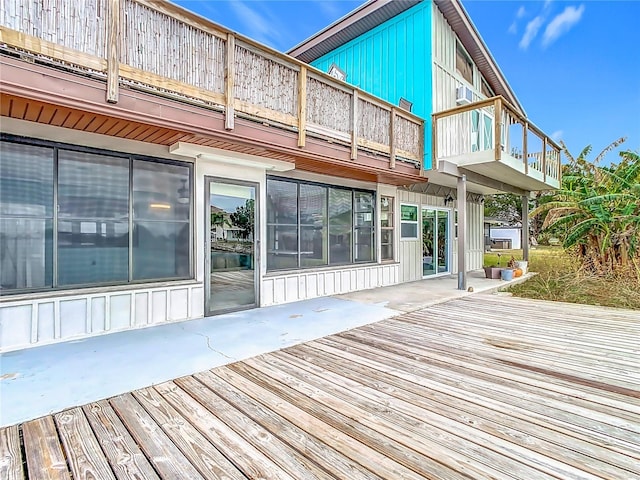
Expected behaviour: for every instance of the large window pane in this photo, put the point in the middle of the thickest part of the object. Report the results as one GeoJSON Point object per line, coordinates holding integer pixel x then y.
{"type": "Point", "coordinates": [92, 186]}
{"type": "Point", "coordinates": [324, 228]}
{"type": "Point", "coordinates": [160, 250]}
{"type": "Point", "coordinates": [340, 244]}
{"type": "Point", "coordinates": [313, 246]}
{"type": "Point", "coordinates": [161, 213]}
{"type": "Point", "coordinates": [364, 245]}
{"type": "Point", "coordinates": [93, 226]}
{"type": "Point", "coordinates": [340, 225]}
{"type": "Point", "coordinates": [26, 180]}
{"type": "Point", "coordinates": [26, 253]}
{"type": "Point", "coordinates": [282, 202]}
{"type": "Point", "coordinates": [282, 247]}
{"type": "Point", "coordinates": [26, 217]}
{"type": "Point", "coordinates": [92, 251]}
{"type": "Point", "coordinates": [160, 191]}
{"type": "Point", "coordinates": [282, 225]}
{"type": "Point", "coordinates": [313, 221]}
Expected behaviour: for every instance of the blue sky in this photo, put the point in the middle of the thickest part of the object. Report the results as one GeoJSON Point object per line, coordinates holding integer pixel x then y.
{"type": "Point", "coordinates": [575, 66]}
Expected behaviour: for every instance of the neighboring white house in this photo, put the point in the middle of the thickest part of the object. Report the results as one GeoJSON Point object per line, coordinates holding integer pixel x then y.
{"type": "Point", "coordinates": [506, 237]}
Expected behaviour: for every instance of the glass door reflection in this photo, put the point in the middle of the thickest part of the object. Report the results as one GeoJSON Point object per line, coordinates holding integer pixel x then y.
{"type": "Point", "coordinates": [232, 229]}
{"type": "Point", "coordinates": [435, 241]}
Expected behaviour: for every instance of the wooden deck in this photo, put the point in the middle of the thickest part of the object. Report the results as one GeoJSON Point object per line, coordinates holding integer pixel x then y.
{"type": "Point", "coordinates": [482, 387]}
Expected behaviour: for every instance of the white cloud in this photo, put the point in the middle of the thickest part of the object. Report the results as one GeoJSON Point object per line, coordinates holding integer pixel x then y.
{"type": "Point", "coordinates": [531, 31]}
{"type": "Point", "coordinates": [521, 12]}
{"type": "Point", "coordinates": [513, 28]}
{"type": "Point", "coordinates": [561, 23]}
{"type": "Point", "coordinates": [557, 135]}
{"type": "Point", "coordinates": [329, 8]}
{"type": "Point", "coordinates": [260, 26]}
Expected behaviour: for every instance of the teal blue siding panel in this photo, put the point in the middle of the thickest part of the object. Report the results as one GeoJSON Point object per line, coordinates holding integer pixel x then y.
{"type": "Point", "coordinates": [391, 61]}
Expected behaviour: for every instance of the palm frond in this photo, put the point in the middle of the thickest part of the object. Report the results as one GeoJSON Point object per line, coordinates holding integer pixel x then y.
{"type": "Point", "coordinates": [608, 148]}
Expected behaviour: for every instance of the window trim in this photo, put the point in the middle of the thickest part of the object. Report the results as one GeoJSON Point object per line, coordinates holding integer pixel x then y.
{"type": "Point", "coordinates": [328, 186]}
{"type": "Point", "coordinates": [55, 287]}
{"type": "Point", "coordinates": [391, 228]}
{"type": "Point", "coordinates": [463, 51]}
{"type": "Point", "coordinates": [411, 222]}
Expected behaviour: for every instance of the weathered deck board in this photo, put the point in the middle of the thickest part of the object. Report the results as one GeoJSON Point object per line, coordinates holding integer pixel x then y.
{"type": "Point", "coordinates": [482, 387]}
{"type": "Point", "coordinates": [85, 456]}
{"type": "Point", "coordinates": [10, 455]}
{"type": "Point", "coordinates": [125, 457]}
{"type": "Point", "coordinates": [202, 455]}
{"type": "Point", "coordinates": [45, 459]}
{"type": "Point", "coordinates": [163, 454]}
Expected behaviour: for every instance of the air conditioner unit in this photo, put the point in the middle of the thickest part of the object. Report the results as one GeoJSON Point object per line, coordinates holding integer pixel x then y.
{"type": "Point", "coordinates": [464, 95]}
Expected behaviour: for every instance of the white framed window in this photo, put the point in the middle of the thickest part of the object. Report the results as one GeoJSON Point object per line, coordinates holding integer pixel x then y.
{"type": "Point", "coordinates": [408, 221]}
{"type": "Point", "coordinates": [387, 228]}
{"type": "Point", "coordinates": [464, 65]}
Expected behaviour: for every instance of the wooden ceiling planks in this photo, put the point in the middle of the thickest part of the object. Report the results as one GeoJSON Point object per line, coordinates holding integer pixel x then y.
{"type": "Point", "coordinates": [41, 112]}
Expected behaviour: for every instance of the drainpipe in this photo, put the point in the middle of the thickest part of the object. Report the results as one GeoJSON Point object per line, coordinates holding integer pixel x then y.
{"type": "Point", "coordinates": [525, 227]}
{"type": "Point", "coordinates": [462, 232]}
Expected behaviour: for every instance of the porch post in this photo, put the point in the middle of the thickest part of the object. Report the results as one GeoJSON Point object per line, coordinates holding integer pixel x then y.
{"type": "Point", "coordinates": [525, 227]}
{"type": "Point", "coordinates": [462, 232]}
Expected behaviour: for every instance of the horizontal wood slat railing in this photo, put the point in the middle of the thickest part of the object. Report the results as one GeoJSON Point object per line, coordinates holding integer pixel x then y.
{"type": "Point", "coordinates": [494, 125]}
{"type": "Point", "coordinates": [165, 49]}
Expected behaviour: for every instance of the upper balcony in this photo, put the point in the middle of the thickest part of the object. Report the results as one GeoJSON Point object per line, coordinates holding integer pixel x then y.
{"type": "Point", "coordinates": [492, 139]}
{"type": "Point", "coordinates": [158, 48]}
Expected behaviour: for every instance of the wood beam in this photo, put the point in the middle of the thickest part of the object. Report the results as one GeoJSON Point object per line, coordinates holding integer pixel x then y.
{"type": "Point", "coordinates": [434, 143]}
{"type": "Point", "coordinates": [229, 74]}
{"type": "Point", "coordinates": [302, 106]}
{"type": "Point", "coordinates": [392, 139]}
{"type": "Point", "coordinates": [354, 125]}
{"type": "Point", "coordinates": [113, 51]}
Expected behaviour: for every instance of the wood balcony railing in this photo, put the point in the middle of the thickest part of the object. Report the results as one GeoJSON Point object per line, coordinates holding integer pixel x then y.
{"type": "Point", "coordinates": [161, 48]}
{"type": "Point", "coordinates": [494, 129]}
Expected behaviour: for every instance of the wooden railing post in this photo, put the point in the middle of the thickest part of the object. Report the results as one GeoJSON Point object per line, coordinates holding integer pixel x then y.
{"type": "Point", "coordinates": [434, 142]}
{"type": "Point", "coordinates": [354, 125]}
{"type": "Point", "coordinates": [302, 106]}
{"type": "Point", "coordinates": [525, 153]}
{"type": "Point", "coordinates": [113, 51]}
{"type": "Point", "coordinates": [229, 73]}
{"type": "Point", "coordinates": [544, 159]}
{"type": "Point", "coordinates": [392, 138]}
{"type": "Point", "coordinates": [498, 128]}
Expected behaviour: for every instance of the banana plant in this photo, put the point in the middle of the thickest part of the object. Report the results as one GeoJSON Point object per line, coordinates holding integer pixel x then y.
{"type": "Point", "coordinates": [597, 211]}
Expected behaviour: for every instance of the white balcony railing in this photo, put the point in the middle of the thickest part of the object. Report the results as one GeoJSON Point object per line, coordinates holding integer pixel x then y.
{"type": "Point", "coordinates": [494, 130]}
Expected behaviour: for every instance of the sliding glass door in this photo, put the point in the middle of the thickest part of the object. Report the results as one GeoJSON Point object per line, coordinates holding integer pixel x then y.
{"type": "Point", "coordinates": [435, 241]}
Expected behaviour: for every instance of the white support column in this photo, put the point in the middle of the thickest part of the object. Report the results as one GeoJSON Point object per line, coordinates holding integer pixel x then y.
{"type": "Point", "coordinates": [525, 227]}
{"type": "Point", "coordinates": [462, 232]}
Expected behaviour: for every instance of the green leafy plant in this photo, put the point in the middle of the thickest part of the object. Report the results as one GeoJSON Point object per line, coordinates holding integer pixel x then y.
{"type": "Point", "coordinates": [596, 212]}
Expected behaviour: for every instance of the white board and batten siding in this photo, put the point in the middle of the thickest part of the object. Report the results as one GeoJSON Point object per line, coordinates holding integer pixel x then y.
{"type": "Point", "coordinates": [475, 237]}
{"type": "Point", "coordinates": [454, 132]}
{"type": "Point", "coordinates": [410, 250]}
{"type": "Point", "coordinates": [68, 315]}
{"type": "Point", "coordinates": [301, 285]}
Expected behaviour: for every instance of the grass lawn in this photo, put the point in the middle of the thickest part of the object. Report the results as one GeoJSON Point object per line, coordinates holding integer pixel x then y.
{"type": "Point", "coordinates": [559, 280]}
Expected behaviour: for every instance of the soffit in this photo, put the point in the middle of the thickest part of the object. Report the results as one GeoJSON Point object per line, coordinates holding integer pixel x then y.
{"type": "Point", "coordinates": [375, 12]}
